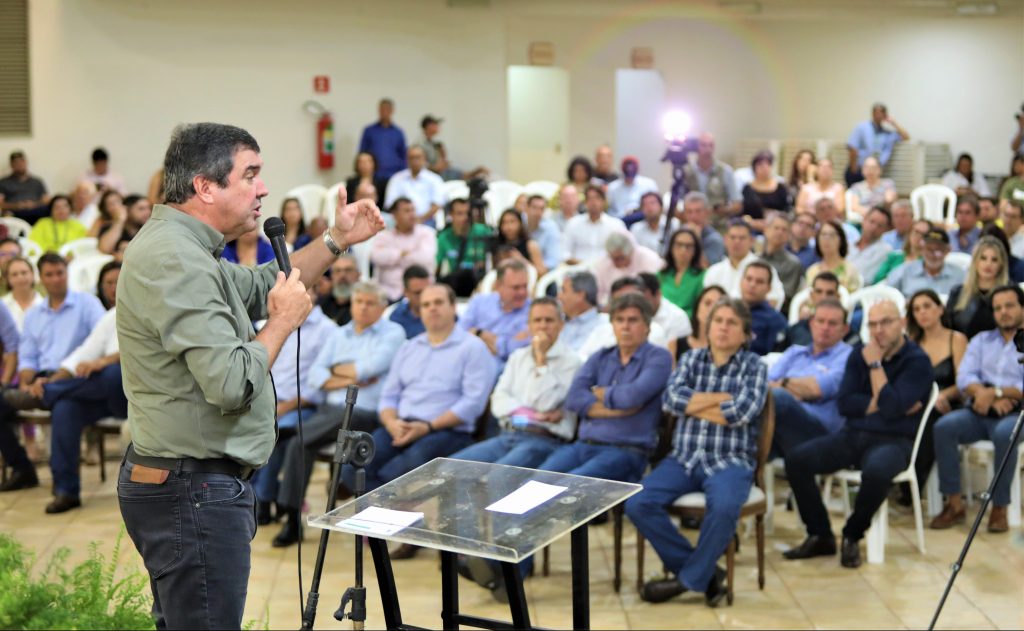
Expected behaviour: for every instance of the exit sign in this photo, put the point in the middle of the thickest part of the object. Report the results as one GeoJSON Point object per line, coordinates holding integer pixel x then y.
{"type": "Point", "coordinates": [321, 84]}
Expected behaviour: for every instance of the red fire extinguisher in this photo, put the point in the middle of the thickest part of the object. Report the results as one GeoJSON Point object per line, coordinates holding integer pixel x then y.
{"type": "Point", "coordinates": [325, 141]}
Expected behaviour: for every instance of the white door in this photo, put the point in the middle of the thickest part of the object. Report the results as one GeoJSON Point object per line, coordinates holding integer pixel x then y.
{"type": "Point", "coordinates": [538, 123]}
{"type": "Point", "coordinates": [639, 106]}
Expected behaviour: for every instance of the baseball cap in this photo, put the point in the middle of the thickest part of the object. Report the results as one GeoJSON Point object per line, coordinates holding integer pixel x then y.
{"type": "Point", "coordinates": [428, 119]}
{"type": "Point", "coordinates": [937, 235]}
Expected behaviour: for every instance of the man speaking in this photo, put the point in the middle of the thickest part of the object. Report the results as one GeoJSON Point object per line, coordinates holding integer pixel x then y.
{"type": "Point", "coordinates": [197, 377]}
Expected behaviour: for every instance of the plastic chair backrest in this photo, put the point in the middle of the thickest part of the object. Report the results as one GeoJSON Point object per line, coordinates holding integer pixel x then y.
{"type": "Point", "coordinates": [16, 228]}
{"type": "Point", "coordinates": [869, 296]}
{"type": "Point", "coordinates": [959, 259]}
{"type": "Point", "coordinates": [544, 188]}
{"type": "Point", "coordinates": [85, 246]}
{"type": "Point", "coordinates": [311, 198]}
{"type": "Point", "coordinates": [934, 202]}
{"type": "Point", "coordinates": [84, 271]}
{"type": "Point", "coordinates": [923, 423]}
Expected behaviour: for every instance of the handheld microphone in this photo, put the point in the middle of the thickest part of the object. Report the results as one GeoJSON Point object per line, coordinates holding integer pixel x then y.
{"type": "Point", "coordinates": [273, 227]}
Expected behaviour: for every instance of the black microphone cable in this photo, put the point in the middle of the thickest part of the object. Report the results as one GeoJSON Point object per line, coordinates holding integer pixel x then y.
{"type": "Point", "coordinates": [302, 453]}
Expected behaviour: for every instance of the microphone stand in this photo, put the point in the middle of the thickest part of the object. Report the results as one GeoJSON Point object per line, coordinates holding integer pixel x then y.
{"type": "Point", "coordinates": [357, 449]}
{"type": "Point", "coordinates": [986, 498]}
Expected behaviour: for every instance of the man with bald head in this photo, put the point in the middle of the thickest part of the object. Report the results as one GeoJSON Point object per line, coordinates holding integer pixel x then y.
{"type": "Point", "coordinates": [885, 387]}
{"type": "Point", "coordinates": [423, 187]}
{"type": "Point", "coordinates": [712, 177]}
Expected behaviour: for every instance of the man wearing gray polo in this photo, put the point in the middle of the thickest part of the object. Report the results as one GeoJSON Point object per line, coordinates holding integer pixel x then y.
{"type": "Point", "coordinates": [196, 375]}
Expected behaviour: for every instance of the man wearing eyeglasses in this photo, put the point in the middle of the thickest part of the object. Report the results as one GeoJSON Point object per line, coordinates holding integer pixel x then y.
{"type": "Point", "coordinates": [930, 271]}
{"type": "Point", "coordinates": [885, 387]}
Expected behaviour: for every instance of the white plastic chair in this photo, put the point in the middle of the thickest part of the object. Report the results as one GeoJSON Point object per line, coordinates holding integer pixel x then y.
{"type": "Point", "coordinates": [934, 202]}
{"type": "Point", "coordinates": [30, 249]}
{"type": "Point", "coordinates": [500, 196]}
{"type": "Point", "coordinates": [959, 259]}
{"type": "Point", "coordinates": [869, 296]}
{"type": "Point", "coordinates": [802, 296]}
{"type": "Point", "coordinates": [389, 310]}
{"type": "Point", "coordinates": [544, 188]}
{"type": "Point", "coordinates": [851, 216]}
{"type": "Point", "coordinates": [555, 276]}
{"type": "Point", "coordinates": [84, 271]}
{"type": "Point", "coordinates": [311, 198]}
{"type": "Point", "coordinates": [986, 446]}
{"type": "Point", "coordinates": [455, 189]}
{"type": "Point", "coordinates": [86, 246]}
{"type": "Point", "coordinates": [16, 228]}
{"type": "Point", "coordinates": [361, 252]}
{"type": "Point", "coordinates": [486, 284]}
{"type": "Point", "coordinates": [879, 530]}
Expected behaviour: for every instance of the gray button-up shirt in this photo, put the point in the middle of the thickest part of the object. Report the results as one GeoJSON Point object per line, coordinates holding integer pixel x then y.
{"type": "Point", "coordinates": [198, 384]}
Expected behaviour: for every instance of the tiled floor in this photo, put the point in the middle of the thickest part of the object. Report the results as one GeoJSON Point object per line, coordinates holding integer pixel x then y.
{"type": "Point", "coordinates": [989, 593]}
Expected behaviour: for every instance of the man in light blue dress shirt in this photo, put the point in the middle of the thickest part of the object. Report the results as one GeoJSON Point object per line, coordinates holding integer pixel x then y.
{"type": "Point", "coordinates": [870, 138]}
{"type": "Point", "coordinates": [544, 231]}
{"type": "Point", "coordinates": [499, 318]}
{"type": "Point", "coordinates": [578, 297]}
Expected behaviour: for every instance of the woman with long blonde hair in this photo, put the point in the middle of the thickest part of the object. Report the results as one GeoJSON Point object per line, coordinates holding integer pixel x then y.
{"type": "Point", "coordinates": [968, 308]}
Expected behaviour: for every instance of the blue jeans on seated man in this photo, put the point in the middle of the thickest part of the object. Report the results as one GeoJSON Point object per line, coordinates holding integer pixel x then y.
{"type": "Point", "coordinates": [391, 462]}
{"type": "Point", "coordinates": [795, 425]}
{"type": "Point", "coordinates": [512, 448]}
{"type": "Point", "coordinates": [726, 491]}
{"type": "Point", "coordinates": [75, 404]}
{"type": "Point", "coordinates": [962, 427]}
{"type": "Point", "coordinates": [265, 483]}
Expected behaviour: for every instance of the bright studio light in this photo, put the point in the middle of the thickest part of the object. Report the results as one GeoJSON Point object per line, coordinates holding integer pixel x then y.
{"type": "Point", "coordinates": [675, 124]}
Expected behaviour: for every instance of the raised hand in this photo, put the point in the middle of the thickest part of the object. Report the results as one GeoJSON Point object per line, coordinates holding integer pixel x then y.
{"type": "Point", "coordinates": [355, 222]}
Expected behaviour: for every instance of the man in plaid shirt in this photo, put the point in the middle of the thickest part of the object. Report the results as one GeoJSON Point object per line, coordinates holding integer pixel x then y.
{"type": "Point", "coordinates": [717, 394]}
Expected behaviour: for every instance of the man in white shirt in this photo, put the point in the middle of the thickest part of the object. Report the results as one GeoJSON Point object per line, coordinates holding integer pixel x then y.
{"type": "Point", "coordinates": [421, 185]}
{"type": "Point", "coordinates": [739, 241]}
{"type": "Point", "coordinates": [671, 318]}
{"type": "Point", "coordinates": [101, 176]}
{"type": "Point", "coordinates": [408, 243]}
{"type": "Point", "coordinates": [649, 232]}
{"type": "Point", "coordinates": [1013, 218]}
{"type": "Point", "coordinates": [603, 334]}
{"type": "Point", "coordinates": [584, 235]}
{"type": "Point", "coordinates": [623, 258]}
{"type": "Point", "coordinates": [625, 192]}
{"type": "Point", "coordinates": [868, 253]}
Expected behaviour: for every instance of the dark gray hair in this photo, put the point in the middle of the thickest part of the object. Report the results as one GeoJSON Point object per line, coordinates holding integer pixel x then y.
{"type": "Point", "coordinates": [738, 307]}
{"type": "Point", "coordinates": [587, 283]}
{"type": "Point", "coordinates": [201, 149]}
{"type": "Point", "coordinates": [618, 242]}
{"type": "Point", "coordinates": [632, 301]}
{"type": "Point", "coordinates": [696, 196]}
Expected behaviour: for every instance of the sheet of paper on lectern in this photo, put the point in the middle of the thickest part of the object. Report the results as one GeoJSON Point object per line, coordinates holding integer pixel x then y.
{"type": "Point", "coordinates": [381, 521]}
{"type": "Point", "coordinates": [529, 496]}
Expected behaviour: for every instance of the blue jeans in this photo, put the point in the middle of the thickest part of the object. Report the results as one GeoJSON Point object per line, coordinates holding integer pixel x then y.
{"type": "Point", "coordinates": [75, 404]}
{"type": "Point", "coordinates": [194, 533]}
{"type": "Point", "coordinates": [962, 427]}
{"type": "Point", "coordinates": [516, 449]}
{"type": "Point", "coordinates": [725, 490]}
{"type": "Point", "coordinates": [391, 462]}
{"type": "Point", "coordinates": [795, 424]}
{"type": "Point", "coordinates": [265, 483]}
{"type": "Point", "coordinates": [621, 464]}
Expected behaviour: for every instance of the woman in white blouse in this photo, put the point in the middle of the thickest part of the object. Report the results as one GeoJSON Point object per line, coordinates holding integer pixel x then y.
{"type": "Point", "coordinates": [964, 180]}
{"type": "Point", "coordinates": [20, 277]}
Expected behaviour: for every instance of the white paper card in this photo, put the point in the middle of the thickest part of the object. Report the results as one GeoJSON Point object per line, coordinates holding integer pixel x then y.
{"type": "Point", "coordinates": [526, 497]}
{"type": "Point", "coordinates": [381, 521]}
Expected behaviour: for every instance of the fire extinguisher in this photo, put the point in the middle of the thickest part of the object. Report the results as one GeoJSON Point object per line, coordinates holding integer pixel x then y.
{"type": "Point", "coordinates": [325, 141]}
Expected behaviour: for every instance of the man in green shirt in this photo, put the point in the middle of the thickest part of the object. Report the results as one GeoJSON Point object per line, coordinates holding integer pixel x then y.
{"type": "Point", "coordinates": [201, 401]}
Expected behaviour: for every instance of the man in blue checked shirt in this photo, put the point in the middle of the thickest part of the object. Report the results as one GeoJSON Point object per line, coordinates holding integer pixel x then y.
{"type": "Point", "coordinates": [717, 394]}
{"type": "Point", "coordinates": [499, 318]}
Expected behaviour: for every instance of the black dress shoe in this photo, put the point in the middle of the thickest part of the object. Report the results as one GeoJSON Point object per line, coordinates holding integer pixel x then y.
{"type": "Point", "coordinates": [291, 531]}
{"type": "Point", "coordinates": [717, 589]}
{"type": "Point", "coordinates": [813, 546]}
{"type": "Point", "coordinates": [850, 553]}
{"type": "Point", "coordinates": [661, 590]}
{"type": "Point", "coordinates": [20, 479]}
{"type": "Point", "coordinates": [263, 516]}
{"type": "Point", "coordinates": [62, 504]}
{"type": "Point", "coordinates": [403, 552]}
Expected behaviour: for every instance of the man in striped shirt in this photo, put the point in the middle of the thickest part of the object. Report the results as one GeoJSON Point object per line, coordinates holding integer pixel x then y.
{"type": "Point", "coordinates": [717, 394]}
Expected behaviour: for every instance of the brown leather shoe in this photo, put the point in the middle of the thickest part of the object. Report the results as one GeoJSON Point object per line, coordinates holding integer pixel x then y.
{"type": "Point", "coordinates": [948, 517]}
{"type": "Point", "coordinates": [997, 520]}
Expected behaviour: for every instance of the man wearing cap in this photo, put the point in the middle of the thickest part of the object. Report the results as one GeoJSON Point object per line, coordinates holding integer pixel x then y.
{"type": "Point", "coordinates": [624, 193]}
{"type": "Point", "coordinates": [21, 193]}
{"type": "Point", "coordinates": [437, 156]}
{"type": "Point", "coordinates": [929, 271]}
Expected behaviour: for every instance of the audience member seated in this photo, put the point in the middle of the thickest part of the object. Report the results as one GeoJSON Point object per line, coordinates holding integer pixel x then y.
{"type": "Point", "coordinates": [912, 248]}
{"type": "Point", "coordinates": [623, 258]}
{"type": "Point", "coordinates": [437, 155]}
{"type": "Point", "coordinates": [717, 395]}
{"type": "Point", "coordinates": [651, 229]}
{"type": "Point", "coordinates": [604, 161]}
{"type": "Point", "coordinates": [969, 307]}
{"type": "Point", "coordinates": [100, 174]}
{"type": "Point", "coordinates": [432, 398]}
{"type": "Point", "coordinates": [544, 231]}
{"type": "Point", "coordinates": [871, 139]}
{"type": "Point", "coordinates": [823, 185]}
{"type": "Point", "coordinates": [765, 193]}
{"type": "Point", "coordinates": [801, 239]}
{"type": "Point", "coordinates": [830, 246]}
{"type": "Point", "coordinates": [10, 338]}
{"type": "Point", "coordinates": [990, 378]}
{"type": "Point", "coordinates": [578, 297]}
{"type": "Point", "coordinates": [344, 274]}
{"type": "Point", "coordinates": [805, 380]}
{"type": "Point", "coordinates": [801, 172]}
{"type": "Point", "coordinates": [407, 244]}
{"type": "Point", "coordinates": [20, 278]}
{"type": "Point", "coordinates": [625, 192]}
{"type": "Point", "coordinates": [1013, 186]}
{"type": "Point", "coordinates": [1013, 220]}
{"type": "Point", "coordinates": [385, 141]}
{"type": "Point", "coordinates": [825, 286]}
{"type": "Point", "coordinates": [964, 180]}
{"type": "Point", "coordinates": [529, 396]}
{"type": "Point", "coordinates": [584, 236]}
{"type": "Point", "coordinates": [683, 274]}
{"type": "Point", "coordinates": [902, 215]}
{"type": "Point", "coordinates": [825, 211]}
{"type": "Point", "coordinates": [580, 176]}
{"type": "Point", "coordinates": [106, 284]}
{"type": "Point", "coordinates": [873, 190]}
{"type": "Point", "coordinates": [930, 269]}
{"type": "Point", "coordinates": [869, 252]}
{"type": "Point", "coordinates": [773, 252]}
{"type": "Point", "coordinates": [739, 241]}
{"type": "Point", "coordinates": [110, 206]}
{"type": "Point", "coordinates": [295, 234]}
{"type": "Point", "coordinates": [407, 312]}
{"type": "Point", "coordinates": [768, 325]}
{"type": "Point", "coordinates": [58, 228]}
{"type": "Point", "coordinates": [670, 317]}
{"type": "Point", "coordinates": [250, 249]}
{"type": "Point", "coordinates": [23, 194]}
{"type": "Point", "coordinates": [885, 387]}
{"type": "Point", "coordinates": [83, 203]}
{"type": "Point", "coordinates": [499, 318]}
{"type": "Point", "coordinates": [965, 236]}
{"type": "Point", "coordinates": [316, 331]}
{"type": "Point", "coordinates": [128, 219]}
{"type": "Point", "coordinates": [462, 250]}
{"type": "Point", "coordinates": [569, 206]}
{"type": "Point", "coordinates": [364, 172]}
{"type": "Point", "coordinates": [603, 334]}
{"type": "Point", "coordinates": [698, 338]}
{"type": "Point", "coordinates": [512, 233]}
{"type": "Point", "coordinates": [420, 185]}
{"type": "Point", "coordinates": [9, 249]}
{"type": "Point", "coordinates": [359, 353]}
{"type": "Point", "coordinates": [1014, 265]}
{"type": "Point", "coordinates": [988, 211]}
{"type": "Point", "coordinates": [714, 179]}
{"type": "Point", "coordinates": [695, 215]}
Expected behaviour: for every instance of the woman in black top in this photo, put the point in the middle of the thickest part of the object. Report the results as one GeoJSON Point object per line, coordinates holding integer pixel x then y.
{"type": "Point", "coordinates": [765, 192]}
{"type": "Point", "coordinates": [968, 308]}
{"type": "Point", "coordinates": [512, 232]}
{"type": "Point", "coordinates": [364, 166]}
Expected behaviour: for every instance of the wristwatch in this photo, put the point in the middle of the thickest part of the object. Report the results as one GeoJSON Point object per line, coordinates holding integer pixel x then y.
{"type": "Point", "coordinates": [332, 245]}
{"type": "Point", "coordinates": [999, 392]}
{"type": "Point", "coordinates": [875, 364]}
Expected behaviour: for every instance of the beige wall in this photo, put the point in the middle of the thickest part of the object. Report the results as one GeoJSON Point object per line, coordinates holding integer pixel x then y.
{"type": "Point", "coordinates": [122, 73]}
